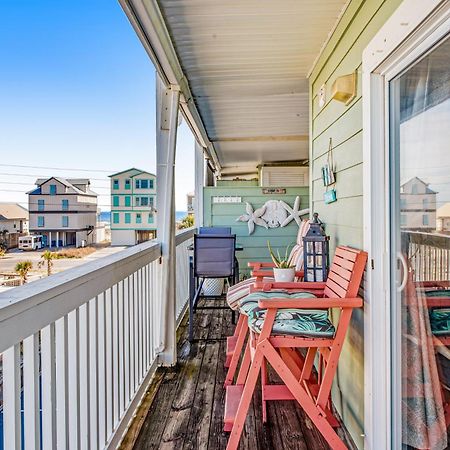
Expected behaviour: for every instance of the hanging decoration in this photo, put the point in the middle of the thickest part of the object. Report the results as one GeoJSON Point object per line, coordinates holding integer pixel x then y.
{"type": "Point", "coordinates": [253, 217]}
{"type": "Point", "coordinates": [329, 176]}
{"type": "Point", "coordinates": [273, 214]}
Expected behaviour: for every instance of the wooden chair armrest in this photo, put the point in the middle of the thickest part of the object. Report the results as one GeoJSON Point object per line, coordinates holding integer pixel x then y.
{"type": "Point", "coordinates": [260, 265]}
{"type": "Point", "coordinates": [262, 273]}
{"type": "Point", "coordinates": [438, 302]}
{"type": "Point", "coordinates": [310, 303]}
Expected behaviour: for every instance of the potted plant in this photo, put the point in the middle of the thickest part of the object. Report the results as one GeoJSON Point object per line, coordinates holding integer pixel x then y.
{"type": "Point", "coordinates": [284, 270]}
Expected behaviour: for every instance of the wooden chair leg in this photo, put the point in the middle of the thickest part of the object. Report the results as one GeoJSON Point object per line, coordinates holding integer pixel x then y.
{"type": "Point", "coordinates": [314, 413]}
{"type": "Point", "coordinates": [245, 365]}
{"type": "Point", "coordinates": [243, 330]}
{"type": "Point", "coordinates": [309, 364]}
{"type": "Point", "coordinates": [244, 404]}
{"type": "Point", "coordinates": [264, 383]}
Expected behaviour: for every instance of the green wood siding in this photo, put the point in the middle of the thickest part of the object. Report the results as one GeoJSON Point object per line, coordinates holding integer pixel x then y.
{"type": "Point", "coordinates": [255, 245]}
{"type": "Point", "coordinates": [344, 218]}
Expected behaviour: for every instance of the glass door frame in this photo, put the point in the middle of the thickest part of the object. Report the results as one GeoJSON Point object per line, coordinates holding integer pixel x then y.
{"type": "Point", "coordinates": [413, 29]}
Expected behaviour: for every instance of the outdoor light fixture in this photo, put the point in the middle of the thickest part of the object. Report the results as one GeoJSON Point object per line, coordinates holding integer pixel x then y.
{"type": "Point", "coordinates": [316, 251]}
{"type": "Point", "coordinates": [344, 88]}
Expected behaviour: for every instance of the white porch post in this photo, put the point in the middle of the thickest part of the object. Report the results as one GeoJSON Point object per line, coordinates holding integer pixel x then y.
{"type": "Point", "coordinates": [57, 239]}
{"type": "Point", "coordinates": [167, 100]}
{"type": "Point", "coordinates": [49, 239]}
{"type": "Point", "coordinates": [199, 184]}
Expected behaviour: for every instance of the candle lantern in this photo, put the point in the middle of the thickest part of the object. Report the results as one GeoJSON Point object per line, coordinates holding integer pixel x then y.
{"type": "Point", "coordinates": [316, 251]}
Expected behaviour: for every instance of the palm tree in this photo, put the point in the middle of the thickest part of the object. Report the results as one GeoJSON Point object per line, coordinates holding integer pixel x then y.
{"type": "Point", "coordinates": [47, 257]}
{"type": "Point", "coordinates": [22, 268]}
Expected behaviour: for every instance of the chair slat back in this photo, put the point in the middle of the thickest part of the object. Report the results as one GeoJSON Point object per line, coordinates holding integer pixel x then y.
{"type": "Point", "coordinates": [346, 272]}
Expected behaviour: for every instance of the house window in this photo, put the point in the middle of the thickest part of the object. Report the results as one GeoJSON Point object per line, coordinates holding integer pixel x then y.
{"type": "Point", "coordinates": [53, 189]}
{"type": "Point", "coordinates": [115, 217]}
{"type": "Point", "coordinates": [425, 220]}
{"type": "Point", "coordinates": [402, 203]}
{"type": "Point", "coordinates": [142, 184]}
{"type": "Point", "coordinates": [116, 200]}
{"type": "Point", "coordinates": [150, 182]}
{"type": "Point", "coordinates": [138, 218]}
{"type": "Point", "coordinates": [127, 218]}
{"type": "Point", "coordinates": [127, 200]}
{"type": "Point", "coordinates": [150, 218]}
{"type": "Point", "coordinates": [425, 203]}
{"type": "Point", "coordinates": [414, 189]}
{"type": "Point", "coordinates": [151, 201]}
{"type": "Point", "coordinates": [402, 219]}
{"type": "Point", "coordinates": [65, 205]}
{"type": "Point", "coordinates": [41, 204]}
{"type": "Point", "coordinates": [65, 221]}
{"type": "Point", "coordinates": [115, 184]}
{"type": "Point", "coordinates": [41, 221]}
{"type": "Point", "coordinates": [141, 201]}
{"type": "Point", "coordinates": [127, 184]}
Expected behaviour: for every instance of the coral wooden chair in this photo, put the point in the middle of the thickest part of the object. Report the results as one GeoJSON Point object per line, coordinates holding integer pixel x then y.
{"type": "Point", "coordinates": [280, 328]}
{"type": "Point", "coordinates": [261, 272]}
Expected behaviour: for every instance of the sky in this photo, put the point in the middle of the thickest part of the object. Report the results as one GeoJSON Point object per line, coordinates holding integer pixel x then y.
{"type": "Point", "coordinates": [77, 98]}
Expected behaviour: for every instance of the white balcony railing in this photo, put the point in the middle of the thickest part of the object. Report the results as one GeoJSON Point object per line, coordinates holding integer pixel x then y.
{"type": "Point", "coordinates": [79, 349]}
{"type": "Point", "coordinates": [429, 255]}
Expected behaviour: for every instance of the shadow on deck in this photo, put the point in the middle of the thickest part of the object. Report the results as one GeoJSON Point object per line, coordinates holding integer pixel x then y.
{"type": "Point", "coordinates": [184, 406]}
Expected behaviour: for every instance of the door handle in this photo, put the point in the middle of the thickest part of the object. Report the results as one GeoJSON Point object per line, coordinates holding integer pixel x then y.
{"type": "Point", "coordinates": [404, 264]}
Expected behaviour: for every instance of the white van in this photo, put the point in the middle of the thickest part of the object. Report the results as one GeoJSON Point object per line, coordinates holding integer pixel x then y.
{"type": "Point", "coordinates": [32, 242]}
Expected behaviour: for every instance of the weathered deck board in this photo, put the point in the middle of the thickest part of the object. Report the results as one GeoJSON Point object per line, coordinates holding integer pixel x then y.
{"type": "Point", "coordinates": [187, 410]}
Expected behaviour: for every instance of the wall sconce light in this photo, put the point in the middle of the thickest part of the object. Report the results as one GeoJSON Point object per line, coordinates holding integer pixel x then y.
{"type": "Point", "coordinates": [344, 88]}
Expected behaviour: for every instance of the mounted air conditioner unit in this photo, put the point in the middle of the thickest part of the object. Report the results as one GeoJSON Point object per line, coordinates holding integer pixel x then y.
{"type": "Point", "coordinates": [286, 176]}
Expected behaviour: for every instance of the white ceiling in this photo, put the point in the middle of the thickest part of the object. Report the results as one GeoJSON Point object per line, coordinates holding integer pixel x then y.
{"type": "Point", "coordinates": [246, 63]}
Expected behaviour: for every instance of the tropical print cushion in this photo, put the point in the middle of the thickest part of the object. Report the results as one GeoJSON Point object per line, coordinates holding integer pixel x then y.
{"type": "Point", "coordinates": [439, 317]}
{"type": "Point", "coordinates": [296, 322]}
{"type": "Point", "coordinates": [440, 321]}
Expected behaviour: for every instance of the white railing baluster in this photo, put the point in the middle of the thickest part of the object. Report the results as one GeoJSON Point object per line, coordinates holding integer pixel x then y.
{"type": "Point", "coordinates": [115, 353]}
{"type": "Point", "coordinates": [127, 340]}
{"type": "Point", "coordinates": [62, 383]}
{"type": "Point", "coordinates": [73, 349]}
{"type": "Point", "coordinates": [102, 388]}
{"type": "Point", "coordinates": [11, 398]}
{"type": "Point", "coordinates": [48, 367]}
{"type": "Point", "coordinates": [31, 392]}
{"type": "Point", "coordinates": [109, 364]}
{"type": "Point", "coordinates": [121, 348]}
{"type": "Point", "coordinates": [93, 373]}
{"type": "Point", "coordinates": [84, 369]}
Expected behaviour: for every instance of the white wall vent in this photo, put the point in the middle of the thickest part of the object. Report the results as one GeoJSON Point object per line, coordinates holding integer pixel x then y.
{"type": "Point", "coordinates": [273, 176]}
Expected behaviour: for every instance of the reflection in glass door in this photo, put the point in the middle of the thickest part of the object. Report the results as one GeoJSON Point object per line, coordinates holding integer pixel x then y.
{"type": "Point", "coordinates": [420, 251]}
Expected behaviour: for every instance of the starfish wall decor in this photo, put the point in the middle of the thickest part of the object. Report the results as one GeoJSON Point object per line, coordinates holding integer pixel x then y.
{"type": "Point", "coordinates": [269, 216]}
{"type": "Point", "coordinates": [253, 217]}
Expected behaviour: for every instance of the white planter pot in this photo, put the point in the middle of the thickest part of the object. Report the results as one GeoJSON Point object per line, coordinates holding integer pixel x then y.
{"type": "Point", "coordinates": [213, 286]}
{"type": "Point", "coordinates": [284, 275]}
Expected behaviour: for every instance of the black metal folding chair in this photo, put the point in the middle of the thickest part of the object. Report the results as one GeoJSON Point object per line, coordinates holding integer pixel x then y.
{"type": "Point", "coordinates": [214, 257]}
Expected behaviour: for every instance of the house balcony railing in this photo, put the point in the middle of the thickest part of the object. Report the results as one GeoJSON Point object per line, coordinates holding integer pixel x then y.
{"type": "Point", "coordinates": [79, 349]}
{"type": "Point", "coordinates": [428, 255]}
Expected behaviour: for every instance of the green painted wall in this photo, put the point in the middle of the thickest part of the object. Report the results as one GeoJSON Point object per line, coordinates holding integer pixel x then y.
{"type": "Point", "coordinates": [344, 218]}
{"type": "Point", "coordinates": [255, 245]}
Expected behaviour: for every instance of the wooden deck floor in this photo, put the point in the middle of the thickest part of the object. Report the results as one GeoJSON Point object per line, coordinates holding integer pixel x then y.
{"type": "Point", "coordinates": [187, 404]}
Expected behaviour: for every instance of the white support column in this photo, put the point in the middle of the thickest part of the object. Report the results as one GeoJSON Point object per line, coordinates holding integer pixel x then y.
{"type": "Point", "coordinates": [57, 239]}
{"type": "Point", "coordinates": [167, 100]}
{"type": "Point", "coordinates": [199, 184]}
{"type": "Point", "coordinates": [49, 239]}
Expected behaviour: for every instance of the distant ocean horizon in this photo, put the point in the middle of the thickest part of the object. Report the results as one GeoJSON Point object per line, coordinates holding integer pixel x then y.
{"type": "Point", "coordinates": [105, 216]}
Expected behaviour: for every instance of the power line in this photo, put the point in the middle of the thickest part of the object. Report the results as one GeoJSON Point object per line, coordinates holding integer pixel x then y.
{"type": "Point", "coordinates": [46, 176]}
{"type": "Point", "coordinates": [58, 168]}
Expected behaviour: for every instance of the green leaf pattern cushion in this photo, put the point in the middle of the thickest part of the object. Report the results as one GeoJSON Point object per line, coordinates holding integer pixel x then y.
{"type": "Point", "coordinates": [293, 322]}
{"type": "Point", "coordinates": [439, 317]}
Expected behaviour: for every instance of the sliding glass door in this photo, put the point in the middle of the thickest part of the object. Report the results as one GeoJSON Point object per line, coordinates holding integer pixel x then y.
{"type": "Point", "coordinates": [420, 251]}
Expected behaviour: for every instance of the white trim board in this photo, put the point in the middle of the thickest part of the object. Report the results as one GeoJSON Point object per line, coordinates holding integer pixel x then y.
{"type": "Point", "coordinates": [413, 29]}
